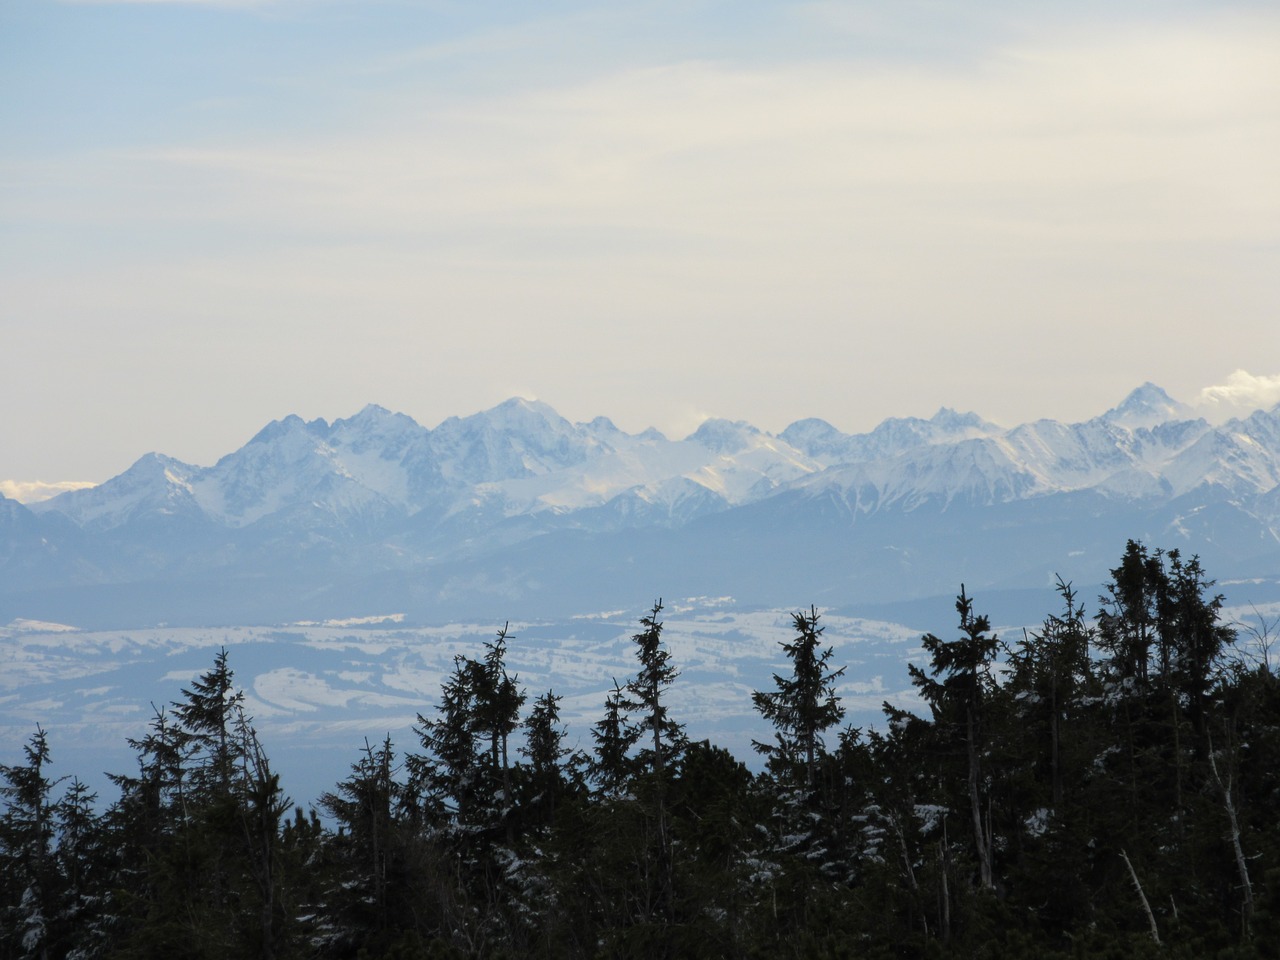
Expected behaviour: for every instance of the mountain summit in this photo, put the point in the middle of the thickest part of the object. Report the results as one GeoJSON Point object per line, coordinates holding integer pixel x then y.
{"type": "Point", "coordinates": [1147, 406]}
{"type": "Point", "coordinates": [517, 502]}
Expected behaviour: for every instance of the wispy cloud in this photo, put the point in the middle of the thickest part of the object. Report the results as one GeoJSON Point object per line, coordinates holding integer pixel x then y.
{"type": "Point", "coordinates": [1241, 394]}
{"type": "Point", "coordinates": [1169, 140]}
{"type": "Point", "coordinates": [687, 217]}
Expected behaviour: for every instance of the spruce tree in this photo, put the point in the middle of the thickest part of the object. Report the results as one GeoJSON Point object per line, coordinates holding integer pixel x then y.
{"type": "Point", "coordinates": [804, 705]}
{"type": "Point", "coordinates": [544, 748]}
{"type": "Point", "coordinates": [370, 899]}
{"type": "Point", "coordinates": [661, 743]}
{"type": "Point", "coordinates": [28, 877]}
{"type": "Point", "coordinates": [609, 766]}
{"type": "Point", "coordinates": [957, 688]}
{"type": "Point", "coordinates": [659, 738]}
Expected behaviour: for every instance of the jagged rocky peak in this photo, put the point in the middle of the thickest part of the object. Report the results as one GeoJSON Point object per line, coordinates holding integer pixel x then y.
{"type": "Point", "coordinates": [522, 412]}
{"type": "Point", "coordinates": [157, 464]}
{"type": "Point", "coordinates": [724, 436]}
{"type": "Point", "coordinates": [603, 436]}
{"type": "Point", "coordinates": [149, 470]}
{"type": "Point", "coordinates": [154, 483]}
{"type": "Point", "coordinates": [809, 430]}
{"type": "Point", "coordinates": [377, 427]}
{"type": "Point", "coordinates": [952, 421]}
{"type": "Point", "coordinates": [816, 438]}
{"type": "Point", "coordinates": [602, 430]}
{"type": "Point", "coordinates": [373, 415]}
{"type": "Point", "coordinates": [517, 438]}
{"type": "Point", "coordinates": [1147, 406]}
{"type": "Point", "coordinates": [531, 419]}
{"type": "Point", "coordinates": [291, 424]}
{"type": "Point", "coordinates": [945, 426]}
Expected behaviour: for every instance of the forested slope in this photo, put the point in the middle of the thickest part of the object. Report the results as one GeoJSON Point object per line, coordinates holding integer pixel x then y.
{"type": "Point", "coordinates": [1105, 786]}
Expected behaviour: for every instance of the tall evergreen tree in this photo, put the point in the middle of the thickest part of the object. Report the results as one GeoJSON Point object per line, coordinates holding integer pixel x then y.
{"type": "Point", "coordinates": [1127, 623]}
{"type": "Point", "coordinates": [1199, 640]}
{"type": "Point", "coordinates": [957, 688]}
{"type": "Point", "coordinates": [201, 822]}
{"type": "Point", "coordinates": [1050, 674]}
{"type": "Point", "coordinates": [497, 702]}
{"type": "Point", "coordinates": [447, 774]}
{"type": "Point", "coordinates": [29, 881]}
{"type": "Point", "coordinates": [610, 763]}
{"type": "Point", "coordinates": [544, 748]}
{"type": "Point", "coordinates": [659, 738]}
{"type": "Point", "coordinates": [467, 769]}
{"type": "Point", "coordinates": [371, 899]}
{"type": "Point", "coordinates": [804, 705]}
{"type": "Point", "coordinates": [206, 718]}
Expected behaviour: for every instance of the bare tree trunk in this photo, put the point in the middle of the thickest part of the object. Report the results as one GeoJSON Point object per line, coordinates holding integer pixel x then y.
{"type": "Point", "coordinates": [979, 829]}
{"type": "Point", "coordinates": [1151, 918]}
{"type": "Point", "coordinates": [944, 895]}
{"type": "Point", "coordinates": [1242, 865]}
{"type": "Point", "coordinates": [906, 855]}
{"type": "Point", "coordinates": [1054, 741]}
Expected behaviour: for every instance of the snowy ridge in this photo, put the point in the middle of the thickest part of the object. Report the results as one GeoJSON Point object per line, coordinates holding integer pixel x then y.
{"type": "Point", "coordinates": [155, 484]}
{"type": "Point", "coordinates": [522, 458]}
{"type": "Point", "coordinates": [517, 501]}
{"type": "Point", "coordinates": [520, 455]}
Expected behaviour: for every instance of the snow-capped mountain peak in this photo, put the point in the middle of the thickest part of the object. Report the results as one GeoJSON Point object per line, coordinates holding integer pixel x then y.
{"type": "Point", "coordinates": [154, 484]}
{"type": "Point", "coordinates": [516, 500]}
{"type": "Point", "coordinates": [952, 422]}
{"type": "Point", "coordinates": [1147, 406]}
{"type": "Point", "coordinates": [724, 436]}
{"type": "Point", "coordinates": [522, 465]}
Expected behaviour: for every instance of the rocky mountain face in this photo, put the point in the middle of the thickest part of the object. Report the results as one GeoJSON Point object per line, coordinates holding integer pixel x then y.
{"type": "Point", "coordinates": [516, 506]}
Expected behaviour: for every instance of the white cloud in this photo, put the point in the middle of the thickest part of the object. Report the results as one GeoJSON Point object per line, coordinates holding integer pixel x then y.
{"type": "Point", "coordinates": [33, 491]}
{"type": "Point", "coordinates": [1241, 394]}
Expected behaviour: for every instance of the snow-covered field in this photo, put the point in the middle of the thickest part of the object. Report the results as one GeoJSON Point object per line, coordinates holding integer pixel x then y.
{"type": "Point", "coordinates": [316, 691]}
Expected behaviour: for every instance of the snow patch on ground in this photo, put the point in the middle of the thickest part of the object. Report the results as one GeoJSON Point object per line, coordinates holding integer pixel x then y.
{"type": "Point", "coordinates": [353, 621]}
{"type": "Point", "coordinates": [34, 626]}
{"type": "Point", "coordinates": [316, 692]}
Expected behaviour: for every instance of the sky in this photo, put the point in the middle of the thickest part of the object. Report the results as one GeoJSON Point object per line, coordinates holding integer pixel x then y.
{"type": "Point", "coordinates": [215, 213]}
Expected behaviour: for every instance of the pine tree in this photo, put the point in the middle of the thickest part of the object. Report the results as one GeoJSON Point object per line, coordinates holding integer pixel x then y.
{"type": "Point", "coordinates": [1127, 623]}
{"type": "Point", "coordinates": [957, 689]}
{"type": "Point", "coordinates": [83, 867]}
{"type": "Point", "coordinates": [262, 806]}
{"type": "Point", "coordinates": [544, 748]}
{"type": "Point", "coordinates": [28, 878]}
{"type": "Point", "coordinates": [661, 742]}
{"type": "Point", "coordinates": [466, 770]}
{"type": "Point", "coordinates": [610, 764]}
{"type": "Point", "coordinates": [446, 774]}
{"type": "Point", "coordinates": [804, 705]}
{"type": "Point", "coordinates": [1198, 639]}
{"type": "Point", "coordinates": [659, 738]}
{"type": "Point", "coordinates": [1050, 674]}
{"type": "Point", "coordinates": [206, 719]}
{"type": "Point", "coordinates": [370, 898]}
{"type": "Point", "coordinates": [199, 825]}
{"type": "Point", "coordinates": [497, 702]}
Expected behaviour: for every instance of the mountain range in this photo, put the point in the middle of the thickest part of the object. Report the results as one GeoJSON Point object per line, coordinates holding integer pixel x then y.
{"type": "Point", "coordinates": [517, 511]}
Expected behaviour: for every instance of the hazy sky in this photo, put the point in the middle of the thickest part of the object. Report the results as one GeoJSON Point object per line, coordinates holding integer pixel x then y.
{"type": "Point", "coordinates": [214, 214]}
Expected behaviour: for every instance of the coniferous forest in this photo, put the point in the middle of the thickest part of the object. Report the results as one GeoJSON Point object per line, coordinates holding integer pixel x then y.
{"type": "Point", "coordinates": [1107, 785]}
